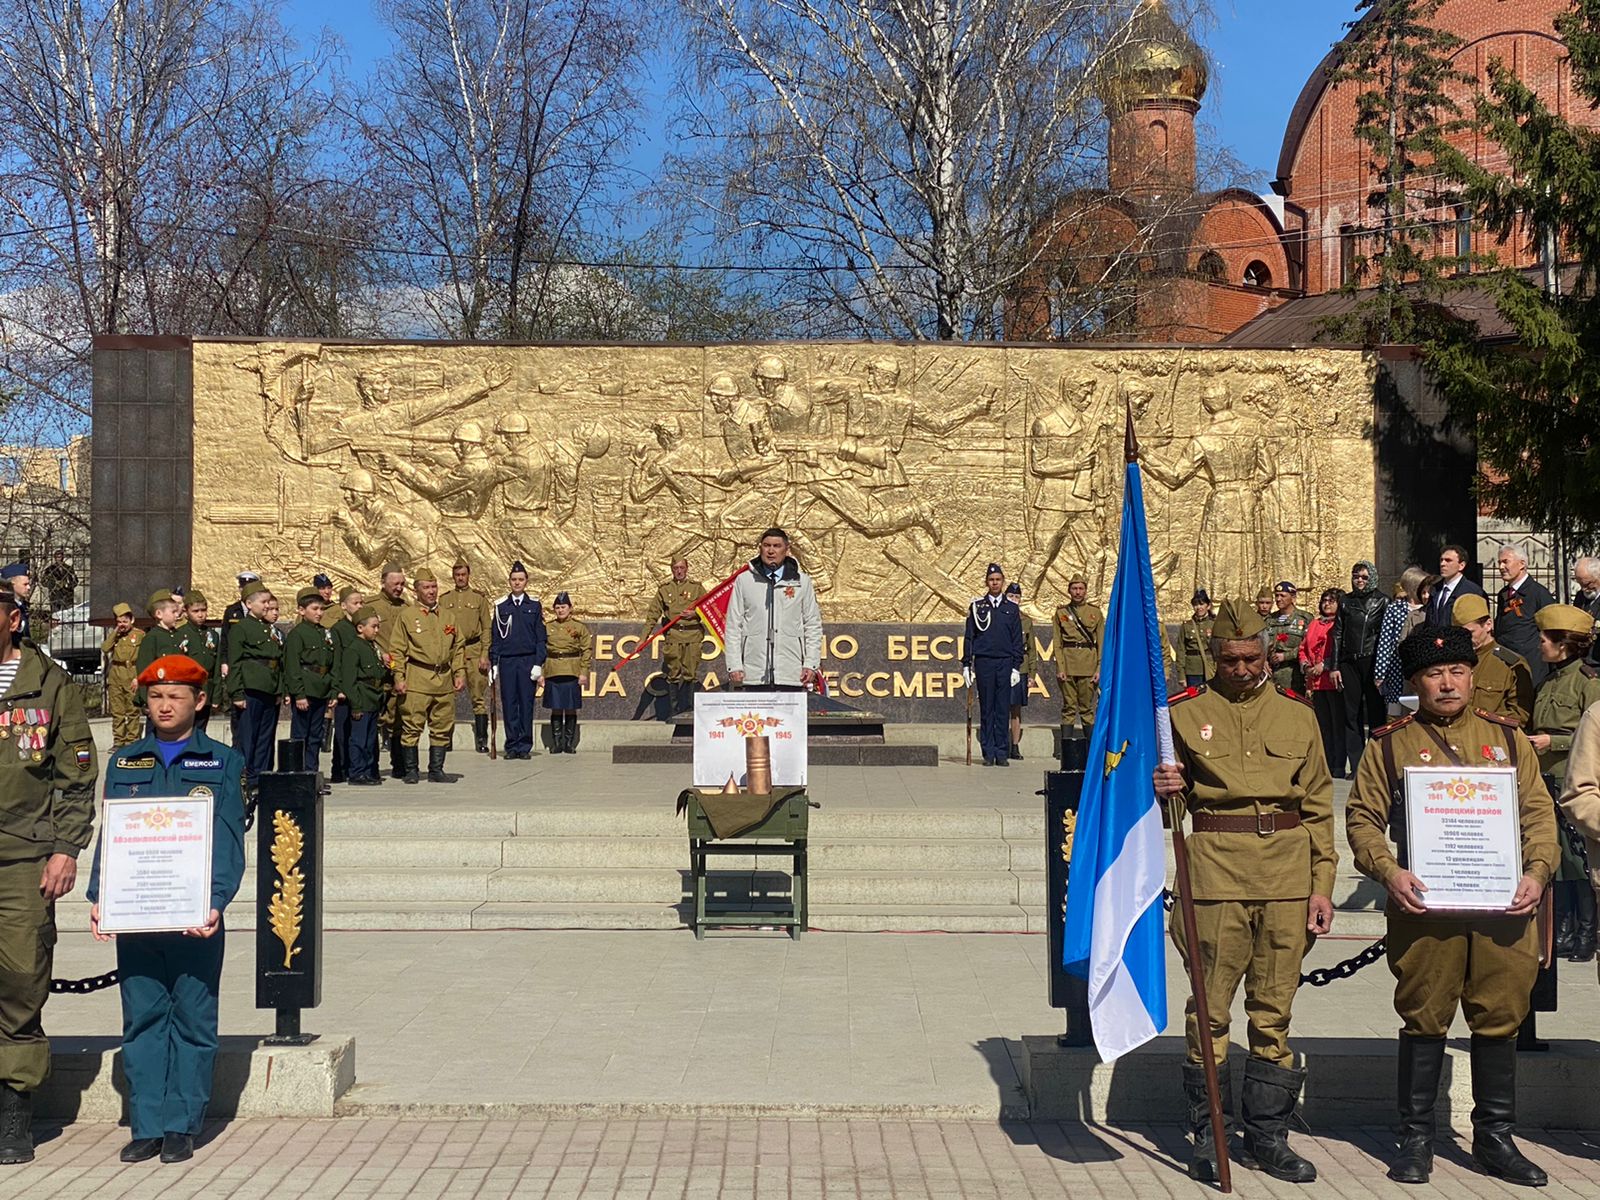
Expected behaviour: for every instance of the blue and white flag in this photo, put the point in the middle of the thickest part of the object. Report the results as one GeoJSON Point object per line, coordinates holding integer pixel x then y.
{"type": "Point", "coordinates": [1113, 934]}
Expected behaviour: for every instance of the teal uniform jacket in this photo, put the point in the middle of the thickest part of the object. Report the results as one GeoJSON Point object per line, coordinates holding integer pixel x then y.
{"type": "Point", "coordinates": [255, 658]}
{"type": "Point", "coordinates": [169, 982]}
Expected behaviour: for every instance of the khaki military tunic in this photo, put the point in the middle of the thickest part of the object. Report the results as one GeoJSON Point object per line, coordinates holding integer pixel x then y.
{"type": "Point", "coordinates": [468, 609]}
{"type": "Point", "coordinates": [1580, 798]}
{"type": "Point", "coordinates": [1561, 700]}
{"type": "Point", "coordinates": [1502, 684]}
{"type": "Point", "coordinates": [1079, 635]}
{"type": "Point", "coordinates": [121, 652]}
{"type": "Point", "coordinates": [1285, 632]}
{"type": "Point", "coordinates": [1255, 760]}
{"type": "Point", "coordinates": [332, 614]}
{"type": "Point", "coordinates": [569, 649]}
{"type": "Point", "coordinates": [1485, 964]}
{"type": "Point", "coordinates": [1194, 639]}
{"type": "Point", "coordinates": [681, 645]}
{"type": "Point", "coordinates": [430, 658]}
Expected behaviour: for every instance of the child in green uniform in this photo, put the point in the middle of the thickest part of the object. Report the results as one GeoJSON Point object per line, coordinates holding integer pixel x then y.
{"type": "Point", "coordinates": [364, 680]}
{"type": "Point", "coordinates": [310, 663]}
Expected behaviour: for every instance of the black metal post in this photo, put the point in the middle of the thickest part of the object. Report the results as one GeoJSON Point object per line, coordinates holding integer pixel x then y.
{"type": "Point", "coordinates": [1062, 791]}
{"type": "Point", "coordinates": [289, 894]}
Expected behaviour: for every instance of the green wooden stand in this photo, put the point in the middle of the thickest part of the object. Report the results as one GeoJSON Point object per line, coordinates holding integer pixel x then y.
{"type": "Point", "coordinates": [780, 833]}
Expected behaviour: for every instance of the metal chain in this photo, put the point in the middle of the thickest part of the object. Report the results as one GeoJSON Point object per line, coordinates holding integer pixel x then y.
{"type": "Point", "coordinates": [1323, 976]}
{"type": "Point", "coordinates": [82, 987]}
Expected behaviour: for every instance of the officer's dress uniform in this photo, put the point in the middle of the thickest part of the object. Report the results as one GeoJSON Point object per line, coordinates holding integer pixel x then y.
{"type": "Point", "coordinates": [681, 646]}
{"type": "Point", "coordinates": [1080, 630]}
{"type": "Point", "coordinates": [344, 636]}
{"type": "Point", "coordinates": [169, 982]}
{"type": "Point", "coordinates": [516, 645]}
{"type": "Point", "coordinates": [120, 651]}
{"type": "Point", "coordinates": [1261, 802]}
{"type": "Point", "coordinates": [992, 648]}
{"type": "Point", "coordinates": [468, 610]}
{"type": "Point", "coordinates": [364, 679]}
{"type": "Point", "coordinates": [310, 673]}
{"type": "Point", "coordinates": [255, 668]}
{"type": "Point", "coordinates": [429, 657]}
{"type": "Point", "coordinates": [48, 771]}
{"type": "Point", "coordinates": [1484, 963]}
{"type": "Point", "coordinates": [1194, 641]}
{"type": "Point", "coordinates": [570, 655]}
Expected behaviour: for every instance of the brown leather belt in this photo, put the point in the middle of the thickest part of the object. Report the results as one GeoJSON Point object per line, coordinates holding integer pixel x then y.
{"type": "Point", "coordinates": [1260, 823]}
{"type": "Point", "coordinates": [428, 666]}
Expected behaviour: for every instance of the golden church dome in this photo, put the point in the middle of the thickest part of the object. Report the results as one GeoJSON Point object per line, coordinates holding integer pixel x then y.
{"type": "Point", "coordinates": [1156, 60]}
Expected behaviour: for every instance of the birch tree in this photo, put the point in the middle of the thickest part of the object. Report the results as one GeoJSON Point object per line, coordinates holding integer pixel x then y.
{"type": "Point", "coordinates": [897, 156]}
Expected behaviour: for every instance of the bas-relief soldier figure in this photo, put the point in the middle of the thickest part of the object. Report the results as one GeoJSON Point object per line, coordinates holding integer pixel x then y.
{"type": "Point", "coordinates": [992, 654]}
{"type": "Point", "coordinates": [517, 654]}
{"type": "Point", "coordinates": [682, 645]}
{"type": "Point", "coordinates": [430, 666]}
{"type": "Point", "coordinates": [1079, 639]}
{"type": "Point", "coordinates": [461, 485]}
{"type": "Point", "coordinates": [468, 609]}
{"type": "Point", "coordinates": [1066, 438]}
{"type": "Point", "coordinates": [120, 652]}
{"type": "Point", "coordinates": [374, 532]}
{"type": "Point", "coordinates": [1252, 777]}
{"type": "Point", "coordinates": [1501, 682]}
{"type": "Point", "coordinates": [48, 770]}
{"type": "Point", "coordinates": [378, 419]}
{"type": "Point", "coordinates": [1485, 963]}
{"type": "Point", "coordinates": [1194, 640]}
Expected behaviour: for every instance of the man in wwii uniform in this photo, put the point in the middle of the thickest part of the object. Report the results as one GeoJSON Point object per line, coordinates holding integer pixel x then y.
{"type": "Point", "coordinates": [391, 605]}
{"type": "Point", "coordinates": [1079, 629]}
{"type": "Point", "coordinates": [467, 609]}
{"type": "Point", "coordinates": [1252, 776]}
{"type": "Point", "coordinates": [1194, 640]}
{"type": "Point", "coordinates": [1501, 681]}
{"type": "Point", "coordinates": [120, 650]}
{"type": "Point", "coordinates": [1486, 964]}
{"type": "Point", "coordinates": [682, 644]}
{"type": "Point", "coordinates": [47, 784]}
{"type": "Point", "coordinates": [991, 660]}
{"type": "Point", "coordinates": [1287, 624]}
{"type": "Point", "coordinates": [430, 666]}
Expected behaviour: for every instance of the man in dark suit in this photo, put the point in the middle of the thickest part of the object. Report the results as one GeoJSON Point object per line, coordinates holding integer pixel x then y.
{"type": "Point", "coordinates": [1517, 601]}
{"type": "Point", "coordinates": [1586, 572]}
{"type": "Point", "coordinates": [1453, 584]}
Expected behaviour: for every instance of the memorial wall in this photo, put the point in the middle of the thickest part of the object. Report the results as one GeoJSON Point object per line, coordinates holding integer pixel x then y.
{"type": "Point", "coordinates": [901, 471]}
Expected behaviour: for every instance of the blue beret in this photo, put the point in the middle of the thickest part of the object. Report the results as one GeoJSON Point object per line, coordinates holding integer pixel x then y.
{"type": "Point", "coordinates": [13, 570]}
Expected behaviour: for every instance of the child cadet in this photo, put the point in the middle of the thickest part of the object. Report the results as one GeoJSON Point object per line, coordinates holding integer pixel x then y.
{"type": "Point", "coordinates": [310, 674]}
{"type": "Point", "coordinates": [255, 663]}
{"type": "Point", "coordinates": [364, 680]}
{"type": "Point", "coordinates": [169, 981]}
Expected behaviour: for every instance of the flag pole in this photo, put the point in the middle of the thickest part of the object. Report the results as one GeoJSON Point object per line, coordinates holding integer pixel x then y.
{"type": "Point", "coordinates": [1191, 936]}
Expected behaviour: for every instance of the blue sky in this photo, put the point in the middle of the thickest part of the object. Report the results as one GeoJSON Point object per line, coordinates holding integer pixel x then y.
{"type": "Point", "coordinates": [1263, 51]}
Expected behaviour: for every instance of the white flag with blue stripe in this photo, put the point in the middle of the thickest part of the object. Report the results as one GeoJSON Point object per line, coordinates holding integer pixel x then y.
{"type": "Point", "coordinates": [1114, 937]}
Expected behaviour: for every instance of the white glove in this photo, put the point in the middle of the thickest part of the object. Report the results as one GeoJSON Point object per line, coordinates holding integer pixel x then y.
{"type": "Point", "coordinates": [966, 673]}
{"type": "Point", "coordinates": [494, 672]}
{"type": "Point", "coordinates": [1016, 677]}
{"type": "Point", "coordinates": [536, 673]}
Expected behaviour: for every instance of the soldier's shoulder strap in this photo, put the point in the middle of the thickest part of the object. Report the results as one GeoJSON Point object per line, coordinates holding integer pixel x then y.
{"type": "Point", "coordinates": [1508, 656]}
{"type": "Point", "coordinates": [1496, 718]}
{"type": "Point", "coordinates": [1394, 725]}
{"type": "Point", "coordinates": [1188, 693]}
{"type": "Point", "coordinates": [1589, 671]}
{"type": "Point", "coordinates": [1291, 694]}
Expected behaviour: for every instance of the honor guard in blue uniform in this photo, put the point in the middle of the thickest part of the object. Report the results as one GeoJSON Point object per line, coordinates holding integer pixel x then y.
{"type": "Point", "coordinates": [516, 655]}
{"type": "Point", "coordinates": [169, 981]}
{"type": "Point", "coordinates": [992, 652]}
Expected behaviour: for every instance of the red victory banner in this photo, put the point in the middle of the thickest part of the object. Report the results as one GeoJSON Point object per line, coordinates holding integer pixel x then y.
{"type": "Point", "coordinates": [712, 608]}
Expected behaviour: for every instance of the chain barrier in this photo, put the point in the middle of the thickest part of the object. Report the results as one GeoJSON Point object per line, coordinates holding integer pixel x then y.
{"type": "Point", "coordinates": [82, 987]}
{"type": "Point", "coordinates": [1322, 976]}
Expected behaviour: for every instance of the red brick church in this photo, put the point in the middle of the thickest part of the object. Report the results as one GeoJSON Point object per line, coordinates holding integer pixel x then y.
{"type": "Point", "coordinates": [1210, 266]}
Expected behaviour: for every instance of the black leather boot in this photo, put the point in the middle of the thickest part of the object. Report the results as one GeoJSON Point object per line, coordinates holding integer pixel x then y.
{"type": "Point", "coordinates": [1561, 899]}
{"type": "Point", "coordinates": [1203, 1159]}
{"type": "Point", "coordinates": [16, 1125]}
{"type": "Point", "coordinates": [572, 733]}
{"type": "Point", "coordinates": [397, 756]}
{"type": "Point", "coordinates": [1016, 751]}
{"type": "Point", "coordinates": [1494, 1113]}
{"type": "Point", "coordinates": [557, 739]}
{"type": "Point", "coordinates": [480, 734]}
{"type": "Point", "coordinates": [1583, 925]}
{"type": "Point", "coordinates": [409, 773]}
{"type": "Point", "coordinates": [436, 771]}
{"type": "Point", "coordinates": [1270, 1094]}
{"type": "Point", "coordinates": [1421, 1061]}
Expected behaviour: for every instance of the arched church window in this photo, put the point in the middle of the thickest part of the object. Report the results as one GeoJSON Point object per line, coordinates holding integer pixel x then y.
{"type": "Point", "coordinates": [1211, 266]}
{"type": "Point", "coordinates": [1258, 275]}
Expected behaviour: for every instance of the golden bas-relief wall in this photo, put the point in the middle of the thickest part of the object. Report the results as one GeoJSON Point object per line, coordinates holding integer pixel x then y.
{"type": "Point", "coordinates": [900, 470]}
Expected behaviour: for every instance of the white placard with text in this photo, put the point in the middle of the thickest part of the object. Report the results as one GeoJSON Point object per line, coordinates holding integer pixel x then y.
{"type": "Point", "coordinates": [722, 722]}
{"type": "Point", "coordinates": [155, 864]}
{"type": "Point", "coordinates": [1463, 836]}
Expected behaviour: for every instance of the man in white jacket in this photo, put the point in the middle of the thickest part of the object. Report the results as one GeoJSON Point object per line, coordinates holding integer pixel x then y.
{"type": "Point", "coordinates": [774, 628]}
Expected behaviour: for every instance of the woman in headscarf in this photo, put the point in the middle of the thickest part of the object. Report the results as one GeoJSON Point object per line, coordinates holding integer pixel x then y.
{"type": "Point", "coordinates": [569, 653]}
{"type": "Point", "coordinates": [1325, 698]}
